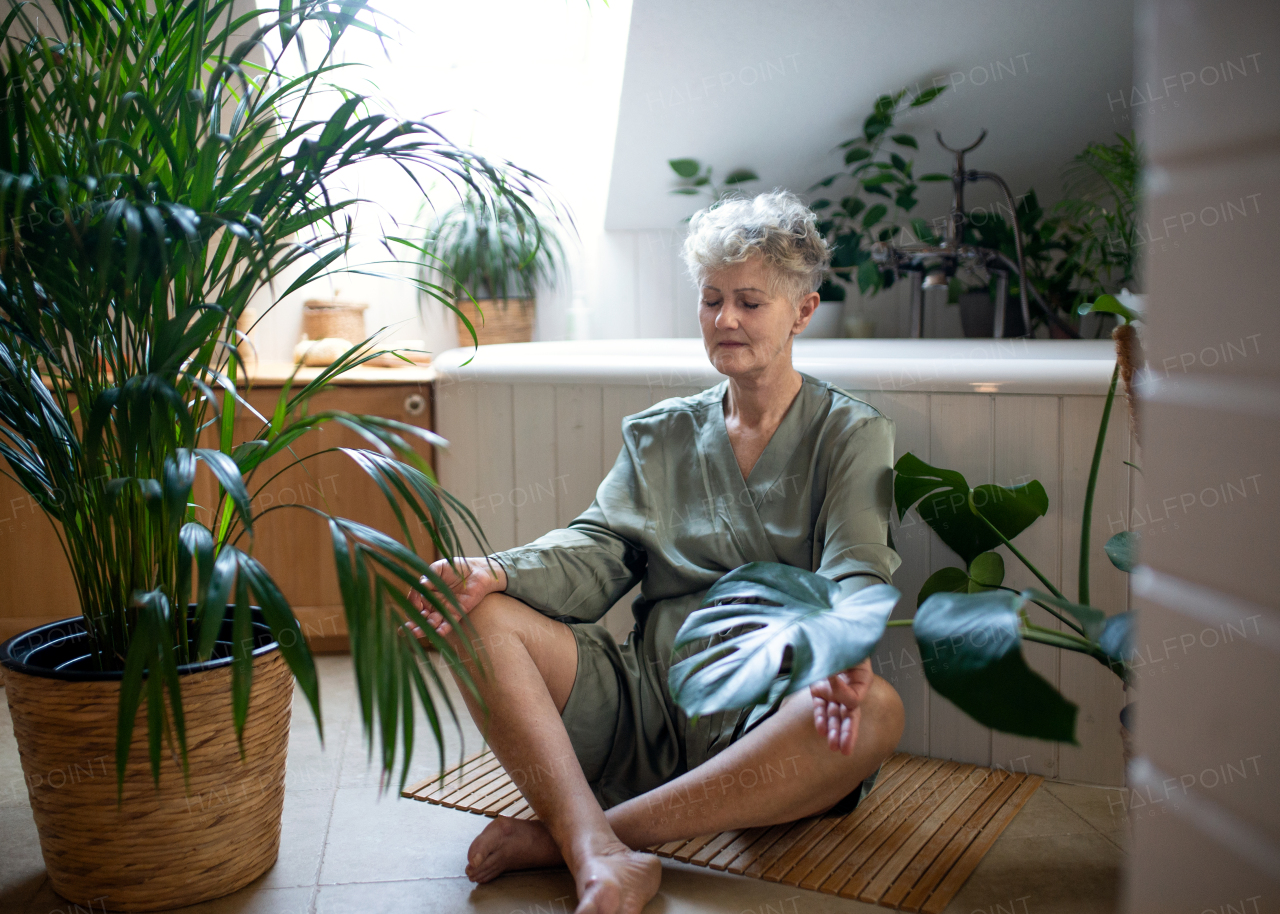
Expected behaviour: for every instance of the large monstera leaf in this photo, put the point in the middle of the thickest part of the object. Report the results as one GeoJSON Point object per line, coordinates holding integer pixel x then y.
{"type": "Point", "coordinates": [789, 615]}
{"type": "Point", "coordinates": [943, 496]}
{"type": "Point", "coordinates": [971, 645]}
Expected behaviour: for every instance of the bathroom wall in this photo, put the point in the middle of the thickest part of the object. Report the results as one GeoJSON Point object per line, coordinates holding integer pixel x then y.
{"type": "Point", "coordinates": [1205, 798]}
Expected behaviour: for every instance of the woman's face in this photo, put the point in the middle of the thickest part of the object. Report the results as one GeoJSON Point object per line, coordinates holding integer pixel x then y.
{"type": "Point", "coordinates": [745, 328]}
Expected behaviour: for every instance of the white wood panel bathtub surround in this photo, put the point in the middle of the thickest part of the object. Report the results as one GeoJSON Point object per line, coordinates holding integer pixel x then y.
{"type": "Point", "coordinates": [534, 428]}
{"type": "Point", "coordinates": [1025, 445]}
{"type": "Point", "coordinates": [897, 657]}
{"type": "Point", "coordinates": [960, 438]}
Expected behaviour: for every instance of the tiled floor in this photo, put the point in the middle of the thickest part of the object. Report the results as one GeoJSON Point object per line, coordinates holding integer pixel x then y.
{"type": "Point", "coordinates": [345, 848]}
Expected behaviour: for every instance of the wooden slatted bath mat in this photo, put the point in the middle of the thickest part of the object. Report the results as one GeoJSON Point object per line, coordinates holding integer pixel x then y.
{"type": "Point", "coordinates": [909, 845]}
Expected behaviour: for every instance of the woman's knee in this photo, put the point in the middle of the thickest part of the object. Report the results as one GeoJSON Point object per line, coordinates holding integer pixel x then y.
{"type": "Point", "coordinates": [489, 626]}
{"type": "Point", "coordinates": [886, 701]}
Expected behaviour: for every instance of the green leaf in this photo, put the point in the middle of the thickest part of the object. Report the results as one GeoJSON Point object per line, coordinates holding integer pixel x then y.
{"type": "Point", "coordinates": [213, 598]}
{"type": "Point", "coordinates": [868, 276]}
{"type": "Point", "coordinates": [856, 154]}
{"type": "Point", "coordinates": [228, 475]}
{"type": "Point", "coordinates": [986, 570]}
{"type": "Point", "coordinates": [141, 650]}
{"type": "Point", "coordinates": [286, 631]}
{"type": "Point", "coordinates": [1091, 620]}
{"type": "Point", "coordinates": [971, 648]}
{"type": "Point", "coordinates": [927, 96]}
{"type": "Point", "coordinates": [915, 479]}
{"type": "Point", "coordinates": [685, 168]}
{"type": "Point", "coordinates": [852, 206]}
{"type": "Point", "coordinates": [788, 613]}
{"type": "Point", "coordinates": [944, 580]}
{"type": "Point", "coordinates": [179, 475]}
{"type": "Point", "coordinates": [876, 181]}
{"type": "Point", "coordinates": [922, 230]}
{"type": "Point", "coordinates": [228, 417]}
{"type": "Point", "coordinates": [875, 125]}
{"type": "Point", "coordinates": [874, 215]}
{"type": "Point", "coordinates": [943, 497]}
{"type": "Point", "coordinates": [1109, 304]}
{"type": "Point", "coordinates": [242, 645]}
{"type": "Point", "coordinates": [740, 175]}
{"type": "Point", "coordinates": [1116, 640]}
{"type": "Point", "coordinates": [906, 139]}
{"type": "Point", "coordinates": [1122, 549]}
{"type": "Point", "coordinates": [900, 163]}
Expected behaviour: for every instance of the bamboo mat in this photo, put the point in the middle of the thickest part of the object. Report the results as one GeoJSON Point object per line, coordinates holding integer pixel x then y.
{"type": "Point", "coordinates": [909, 845]}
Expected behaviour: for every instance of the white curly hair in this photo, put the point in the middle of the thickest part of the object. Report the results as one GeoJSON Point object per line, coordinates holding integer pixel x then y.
{"type": "Point", "coordinates": [777, 226]}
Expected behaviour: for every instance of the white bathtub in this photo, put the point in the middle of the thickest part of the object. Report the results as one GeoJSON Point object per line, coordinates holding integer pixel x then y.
{"type": "Point", "coordinates": [534, 427]}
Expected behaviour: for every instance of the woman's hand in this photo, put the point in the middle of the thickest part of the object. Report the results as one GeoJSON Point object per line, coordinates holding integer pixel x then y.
{"type": "Point", "coordinates": [472, 581]}
{"type": "Point", "coordinates": [837, 707]}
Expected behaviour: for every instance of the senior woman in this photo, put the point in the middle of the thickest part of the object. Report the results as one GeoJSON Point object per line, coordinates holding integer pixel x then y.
{"type": "Point", "coordinates": [770, 465]}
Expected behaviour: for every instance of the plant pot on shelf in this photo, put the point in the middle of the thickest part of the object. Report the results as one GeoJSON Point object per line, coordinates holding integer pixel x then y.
{"type": "Point", "coordinates": [978, 315]}
{"type": "Point", "coordinates": [827, 322]}
{"type": "Point", "coordinates": [324, 319]}
{"type": "Point", "coordinates": [164, 847]}
{"type": "Point", "coordinates": [497, 320]}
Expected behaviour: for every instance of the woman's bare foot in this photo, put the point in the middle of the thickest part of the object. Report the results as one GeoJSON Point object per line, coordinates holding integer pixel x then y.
{"type": "Point", "coordinates": [617, 881]}
{"type": "Point", "coordinates": [510, 844]}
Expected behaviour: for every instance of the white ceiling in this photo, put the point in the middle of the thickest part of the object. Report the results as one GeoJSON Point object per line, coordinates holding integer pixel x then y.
{"type": "Point", "coordinates": [775, 85]}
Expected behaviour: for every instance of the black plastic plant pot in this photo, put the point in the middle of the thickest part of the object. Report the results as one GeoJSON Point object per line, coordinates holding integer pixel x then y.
{"type": "Point", "coordinates": [62, 650]}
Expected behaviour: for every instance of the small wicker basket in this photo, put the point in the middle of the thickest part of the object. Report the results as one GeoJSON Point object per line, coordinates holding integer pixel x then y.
{"type": "Point", "coordinates": [330, 318]}
{"type": "Point", "coordinates": [497, 320]}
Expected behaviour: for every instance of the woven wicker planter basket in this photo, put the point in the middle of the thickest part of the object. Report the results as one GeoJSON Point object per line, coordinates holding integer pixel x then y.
{"type": "Point", "coordinates": [321, 319]}
{"type": "Point", "coordinates": [503, 321]}
{"type": "Point", "coordinates": [164, 848]}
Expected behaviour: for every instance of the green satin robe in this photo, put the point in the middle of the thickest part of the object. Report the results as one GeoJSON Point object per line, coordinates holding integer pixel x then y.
{"type": "Point", "coordinates": [675, 514]}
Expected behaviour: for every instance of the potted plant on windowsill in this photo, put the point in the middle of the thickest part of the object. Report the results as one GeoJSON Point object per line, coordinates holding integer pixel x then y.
{"type": "Point", "coordinates": [859, 220]}
{"type": "Point", "coordinates": [153, 180]}
{"type": "Point", "coordinates": [1086, 246]}
{"type": "Point", "coordinates": [491, 259]}
{"type": "Point", "coordinates": [968, 625]}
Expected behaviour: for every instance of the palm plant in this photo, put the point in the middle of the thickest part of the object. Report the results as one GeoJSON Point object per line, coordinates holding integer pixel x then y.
{"type": "Point", "coordinates": [153, 180]}
{"type": "Point", "coordinates": [491, 251]}
{"type": "Point", "coordinates": [1102, 203]}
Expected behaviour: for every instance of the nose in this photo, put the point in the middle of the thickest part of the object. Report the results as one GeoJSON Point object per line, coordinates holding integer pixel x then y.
{"type": "Point", "coordinates": [726, 318]}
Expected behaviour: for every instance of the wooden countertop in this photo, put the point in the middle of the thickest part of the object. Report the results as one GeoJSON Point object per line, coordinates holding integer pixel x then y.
{"type": "Point", "coordinates": [274, 374]}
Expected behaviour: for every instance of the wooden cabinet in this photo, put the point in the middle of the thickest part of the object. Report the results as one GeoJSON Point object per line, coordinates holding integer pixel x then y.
{"type": "Point", "coordinates": [291, 541]}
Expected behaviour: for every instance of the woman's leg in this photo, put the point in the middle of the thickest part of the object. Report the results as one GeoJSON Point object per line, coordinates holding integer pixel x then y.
{"type": "Point", "coordinates": [530, 662]}
{"type": "Point", "coordinates": [779, 772]}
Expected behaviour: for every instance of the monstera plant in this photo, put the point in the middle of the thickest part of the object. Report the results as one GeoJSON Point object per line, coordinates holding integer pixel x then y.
{"type": "Point", "coordinates": [773, 629]}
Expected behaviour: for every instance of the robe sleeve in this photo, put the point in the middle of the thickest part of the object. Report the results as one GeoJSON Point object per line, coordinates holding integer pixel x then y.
{"type": "Point", "coordinates": [577, 573]}
{"type": "Point", "coordinates": [851, 536]}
